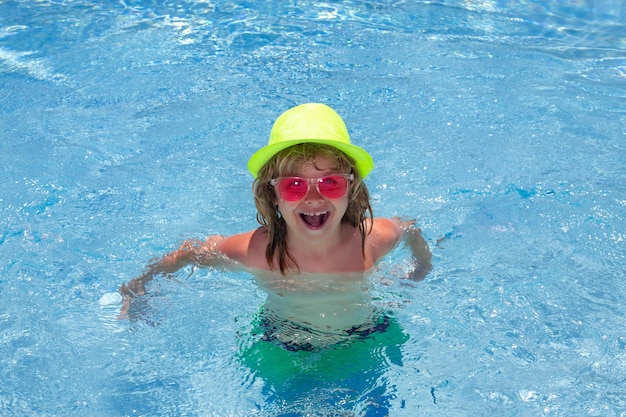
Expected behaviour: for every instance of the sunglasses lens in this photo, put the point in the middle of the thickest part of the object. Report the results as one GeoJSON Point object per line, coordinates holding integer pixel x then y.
{"type": "Point", "coordinates": [293, 189]}
{"type": "Point", "coordinates": [333, 186]}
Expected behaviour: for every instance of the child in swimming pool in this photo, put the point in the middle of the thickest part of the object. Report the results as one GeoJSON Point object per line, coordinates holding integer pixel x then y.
{"type": "Point", "coordinates": [314, 210]}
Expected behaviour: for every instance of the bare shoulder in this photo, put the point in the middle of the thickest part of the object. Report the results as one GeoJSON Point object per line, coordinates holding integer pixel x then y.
{"type": "Point", "coordinates": [385, 229]}
{"type": "Point", "coordinates": [247, 248]}
{"type": "Point", "coordinates": [385, 234]}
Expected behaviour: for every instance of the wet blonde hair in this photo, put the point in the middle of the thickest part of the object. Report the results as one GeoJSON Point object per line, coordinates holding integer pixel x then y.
{"type": "Point", "coordinates": [289, 162]}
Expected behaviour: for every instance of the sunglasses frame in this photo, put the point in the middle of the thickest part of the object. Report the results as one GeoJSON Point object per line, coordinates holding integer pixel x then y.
{"type": "Point", "coordinates": [274, 182]}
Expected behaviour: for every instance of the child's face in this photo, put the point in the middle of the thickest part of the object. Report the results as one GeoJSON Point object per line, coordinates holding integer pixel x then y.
{"type": "Point", "coordinates": [314, 216]}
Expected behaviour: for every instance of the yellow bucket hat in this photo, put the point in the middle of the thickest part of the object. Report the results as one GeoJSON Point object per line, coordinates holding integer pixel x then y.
{"type": "Point", "coordinates": [311, 122]}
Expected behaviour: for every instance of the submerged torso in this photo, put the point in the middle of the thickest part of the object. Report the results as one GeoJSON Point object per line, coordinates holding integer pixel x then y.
{"type": "Point", "coordinates": [316, 309]}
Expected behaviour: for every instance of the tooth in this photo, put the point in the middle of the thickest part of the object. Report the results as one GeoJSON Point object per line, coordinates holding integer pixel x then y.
{"type": "Point", "coordinates": [315, 214]}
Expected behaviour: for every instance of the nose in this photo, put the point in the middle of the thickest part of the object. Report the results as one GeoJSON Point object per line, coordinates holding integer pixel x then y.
{"type": "Point", "coordinates": [313, 195]}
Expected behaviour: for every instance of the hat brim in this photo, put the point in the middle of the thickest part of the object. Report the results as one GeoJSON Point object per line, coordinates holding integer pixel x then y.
{"type": "Point", "coordinates": [364, 161]}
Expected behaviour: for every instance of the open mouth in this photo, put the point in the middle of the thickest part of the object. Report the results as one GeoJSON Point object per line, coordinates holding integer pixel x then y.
{"type": "Point", "coordinates": [315, 219]}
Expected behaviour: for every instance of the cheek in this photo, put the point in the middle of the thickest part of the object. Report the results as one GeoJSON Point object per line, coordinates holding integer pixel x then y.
{"type": "Point", "coordinates": [283, 206]}
{"type": "Point", "coordinates": [342, 205]}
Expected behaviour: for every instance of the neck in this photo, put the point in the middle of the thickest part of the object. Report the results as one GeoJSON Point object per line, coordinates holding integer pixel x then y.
{"type": "Point", "coordinates": [326, 243]}
{"type": "Point", "coordinates": [337, 252]}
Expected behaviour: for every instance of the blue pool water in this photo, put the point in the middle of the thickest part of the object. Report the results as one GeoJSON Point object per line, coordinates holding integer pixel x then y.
{"type": "Point", "coordinates": [500, 126]}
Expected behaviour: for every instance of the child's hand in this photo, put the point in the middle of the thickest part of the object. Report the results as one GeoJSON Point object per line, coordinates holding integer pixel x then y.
{"type": "Point", "coordinates": [419, 248]}
{"type": "Point", "coordinates": [129, 292]}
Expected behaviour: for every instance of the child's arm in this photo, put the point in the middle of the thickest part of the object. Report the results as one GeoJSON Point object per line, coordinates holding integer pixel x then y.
{"type": "Point", "coordinates": [419, 248]}
{"type": "Point", "coordinates": [193, 251]}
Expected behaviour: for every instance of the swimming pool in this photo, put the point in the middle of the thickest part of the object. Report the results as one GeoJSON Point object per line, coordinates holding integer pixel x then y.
{"type": "Point", "coordinates": [500, 127]}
